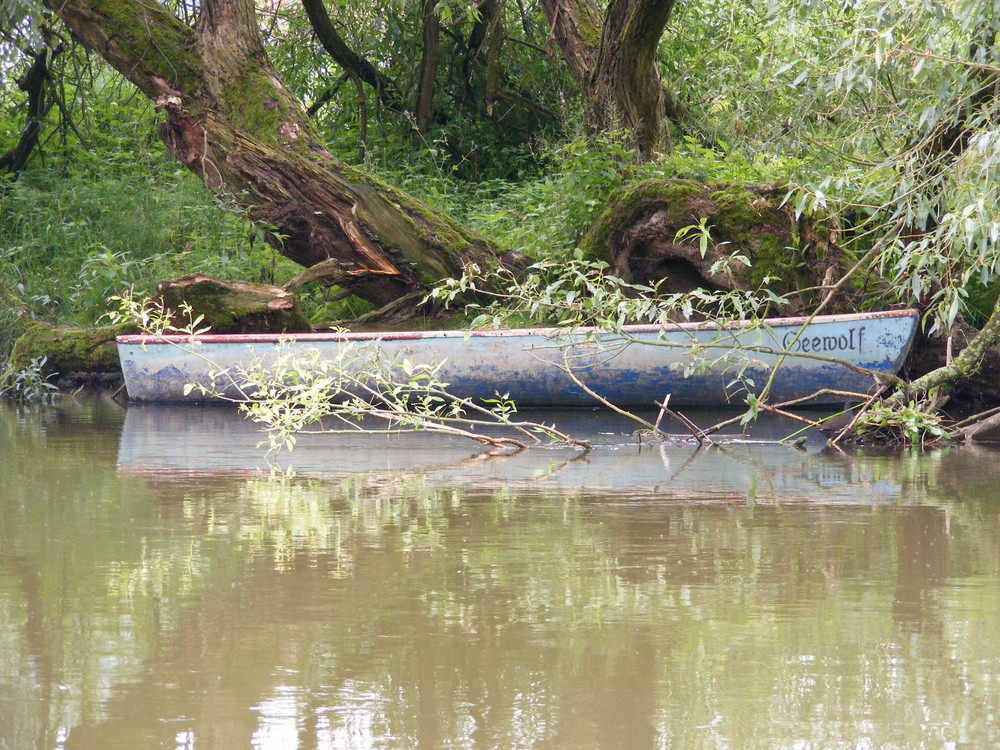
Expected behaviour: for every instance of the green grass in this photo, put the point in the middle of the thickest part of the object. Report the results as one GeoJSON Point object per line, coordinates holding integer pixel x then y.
{"type": "Point", "coordinates": [68, 242]}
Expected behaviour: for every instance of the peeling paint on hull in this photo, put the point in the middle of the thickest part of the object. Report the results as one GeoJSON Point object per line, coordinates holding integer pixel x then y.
{"type": "Point", "coordinates": [642, 365]}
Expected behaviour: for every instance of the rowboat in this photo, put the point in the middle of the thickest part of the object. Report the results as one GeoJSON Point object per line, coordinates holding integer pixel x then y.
{"type": "Point", "coordinates": [696, 364]}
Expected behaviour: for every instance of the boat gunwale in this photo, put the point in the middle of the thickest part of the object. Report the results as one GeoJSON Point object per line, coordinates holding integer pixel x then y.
{"type": "Point", "coordinates": [549, 332]}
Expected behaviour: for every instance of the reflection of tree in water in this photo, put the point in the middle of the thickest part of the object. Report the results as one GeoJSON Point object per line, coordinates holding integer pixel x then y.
{"type": "Point", "coordinates": [922, 555]}
{"type": "Point", "coordinates": [387, 608]}
{"type": "Point", "coordinates": [947, 575]}
{"type": "Point", "coordinates": [463, 624]}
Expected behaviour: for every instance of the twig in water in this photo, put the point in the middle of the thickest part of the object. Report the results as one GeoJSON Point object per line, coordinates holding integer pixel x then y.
{"type": "Point", "coordinates": [847, 395]}
{"type": "Point", "coordinates": [971, 429]}
{"type": "Point", "coordinates": [789, 415]}
{"type": "Point", "coordinates": [850, 428]}
{"type": "Point", "coordinates": [604, 402]}
{"type": "Point", "coordinates": [690, 426]}
{"type": "Point", "coordinates": [976, 418]}
{"type": "Point", "coordinates": [663, 408]}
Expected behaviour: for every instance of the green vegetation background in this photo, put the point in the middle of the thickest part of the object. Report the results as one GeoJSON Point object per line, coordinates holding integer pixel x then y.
{"type": "Point", "coordinates": [783, 91]}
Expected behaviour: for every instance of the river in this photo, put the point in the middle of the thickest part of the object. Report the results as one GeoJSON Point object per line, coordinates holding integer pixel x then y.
{"type": "Point", "coordinates": [162, 586]}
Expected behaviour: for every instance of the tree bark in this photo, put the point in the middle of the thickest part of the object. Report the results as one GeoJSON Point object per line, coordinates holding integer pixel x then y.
{"type": "Point", "coordinates": [69, 350]}
{"type": "Point", "coordinates": [575, 27]}
{"type": "Point", "coordinates": [428, 66]}
{"type": "Point", "coordinates": [614, 60]}
{"type": "Point", "coordinates": [386, 90]}
{"type": "Point", "coordinates": [626, 90]}
{"type": "Point", "coordinates": [645, 233]}
{"type": "Point", "coordinates": [234, 306]}
{"type": "Point", "coordinates": [230, 120]}
{"type": "Point", "coordinates": [32, 83]}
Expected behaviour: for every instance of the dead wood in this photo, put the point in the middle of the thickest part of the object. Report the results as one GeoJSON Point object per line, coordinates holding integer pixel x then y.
{"type": "Point", "coordinates": [234, 306]}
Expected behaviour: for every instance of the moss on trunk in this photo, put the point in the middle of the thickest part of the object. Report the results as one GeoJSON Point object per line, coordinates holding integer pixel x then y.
{"type": "Point", "coordinates": [69, 350]}
{"type": "Point", "coordinates": [637, 232]}
{"type": "Point", "coordinates": [234, 306]}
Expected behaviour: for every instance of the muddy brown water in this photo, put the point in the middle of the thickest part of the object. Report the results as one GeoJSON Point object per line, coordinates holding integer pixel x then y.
{"type": "Point", "coordinates": [158, 589]}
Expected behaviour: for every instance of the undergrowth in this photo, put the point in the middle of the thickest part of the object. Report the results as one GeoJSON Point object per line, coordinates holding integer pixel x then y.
{"type": "Point", "coordinates": [72, 237]}
{"type": "Point", "coordinates": [70, 241]}
{"type": "Point", "coordinates": [543, 215]}
{"type": "Point", "coordinates": [29, 385]}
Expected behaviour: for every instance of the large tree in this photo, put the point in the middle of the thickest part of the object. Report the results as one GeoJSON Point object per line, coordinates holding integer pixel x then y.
{"type": "Point", "coordinates": [229, 119]}
{"type": "Point", "coordinates": [232, 121]}
{"type": "Point", "coordinates": [613, 56]}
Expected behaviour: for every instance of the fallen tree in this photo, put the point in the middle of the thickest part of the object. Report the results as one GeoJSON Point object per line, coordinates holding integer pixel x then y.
{"type": "Point", "coordinates": [233, 306]}
{"type": "Point", "coordinates": [231, 121]}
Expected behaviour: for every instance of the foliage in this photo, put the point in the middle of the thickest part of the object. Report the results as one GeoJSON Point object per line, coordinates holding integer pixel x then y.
{"type": "Point", "coordinates": [28, 385]}
{"type": "Point", "coordinates": [69, 242]}
{"type": "Point", "coordinates": [585, 293]}
{"type": "Point", "coordinates": [545, 217]}
{"type": "Point", "coordinates": [726, 62]}
{"type": "Point", "coordinates": [359, 387]}
{"type": "Point", "coordinates": [911, 120]}
{"type": "Point", "coordinates": [152, 318]}
{"type": "Point", "coordinates": [906, 425]}
{"type": "Point", "coordinates": [981, 301]}
{"type": "Point", "coordinates": [475, 133]}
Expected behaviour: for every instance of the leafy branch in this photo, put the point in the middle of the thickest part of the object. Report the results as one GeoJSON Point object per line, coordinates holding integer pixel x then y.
{"type": "Point", "coordinates": [301, 389]}
{"type": "Point", "coordinates": [580, 293]}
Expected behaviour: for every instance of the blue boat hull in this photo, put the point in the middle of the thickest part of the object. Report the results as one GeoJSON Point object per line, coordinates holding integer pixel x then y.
{"type": "Point", "coordinates": [695, 364]}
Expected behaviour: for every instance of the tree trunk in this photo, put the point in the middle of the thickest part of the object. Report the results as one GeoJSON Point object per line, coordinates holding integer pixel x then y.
{"type": "Point", "coordinates": [576, 29]}
{"type": "Point", "coordinates": [233, 306]}
{"type": "Point", "coordinates": [231, 121]}
{"type": "Point", "coordinates": [614, 61]}
{"type": "Point", "coordinates": [33, 83]}
{"type": "Point", "coordinates": [625, 89]}
{"type": "Point", "coordinates": [68, 350]}
{"type": "Point", "coordinates": [650, 232]}
{"type": "Point", "coordinates": [428, 66]}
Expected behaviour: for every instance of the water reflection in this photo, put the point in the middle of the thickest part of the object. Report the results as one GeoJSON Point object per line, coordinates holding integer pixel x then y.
{"type": "Point", "coordinates": [162, 592]}
{"type": "Point", "coordinates": [179, 443]}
